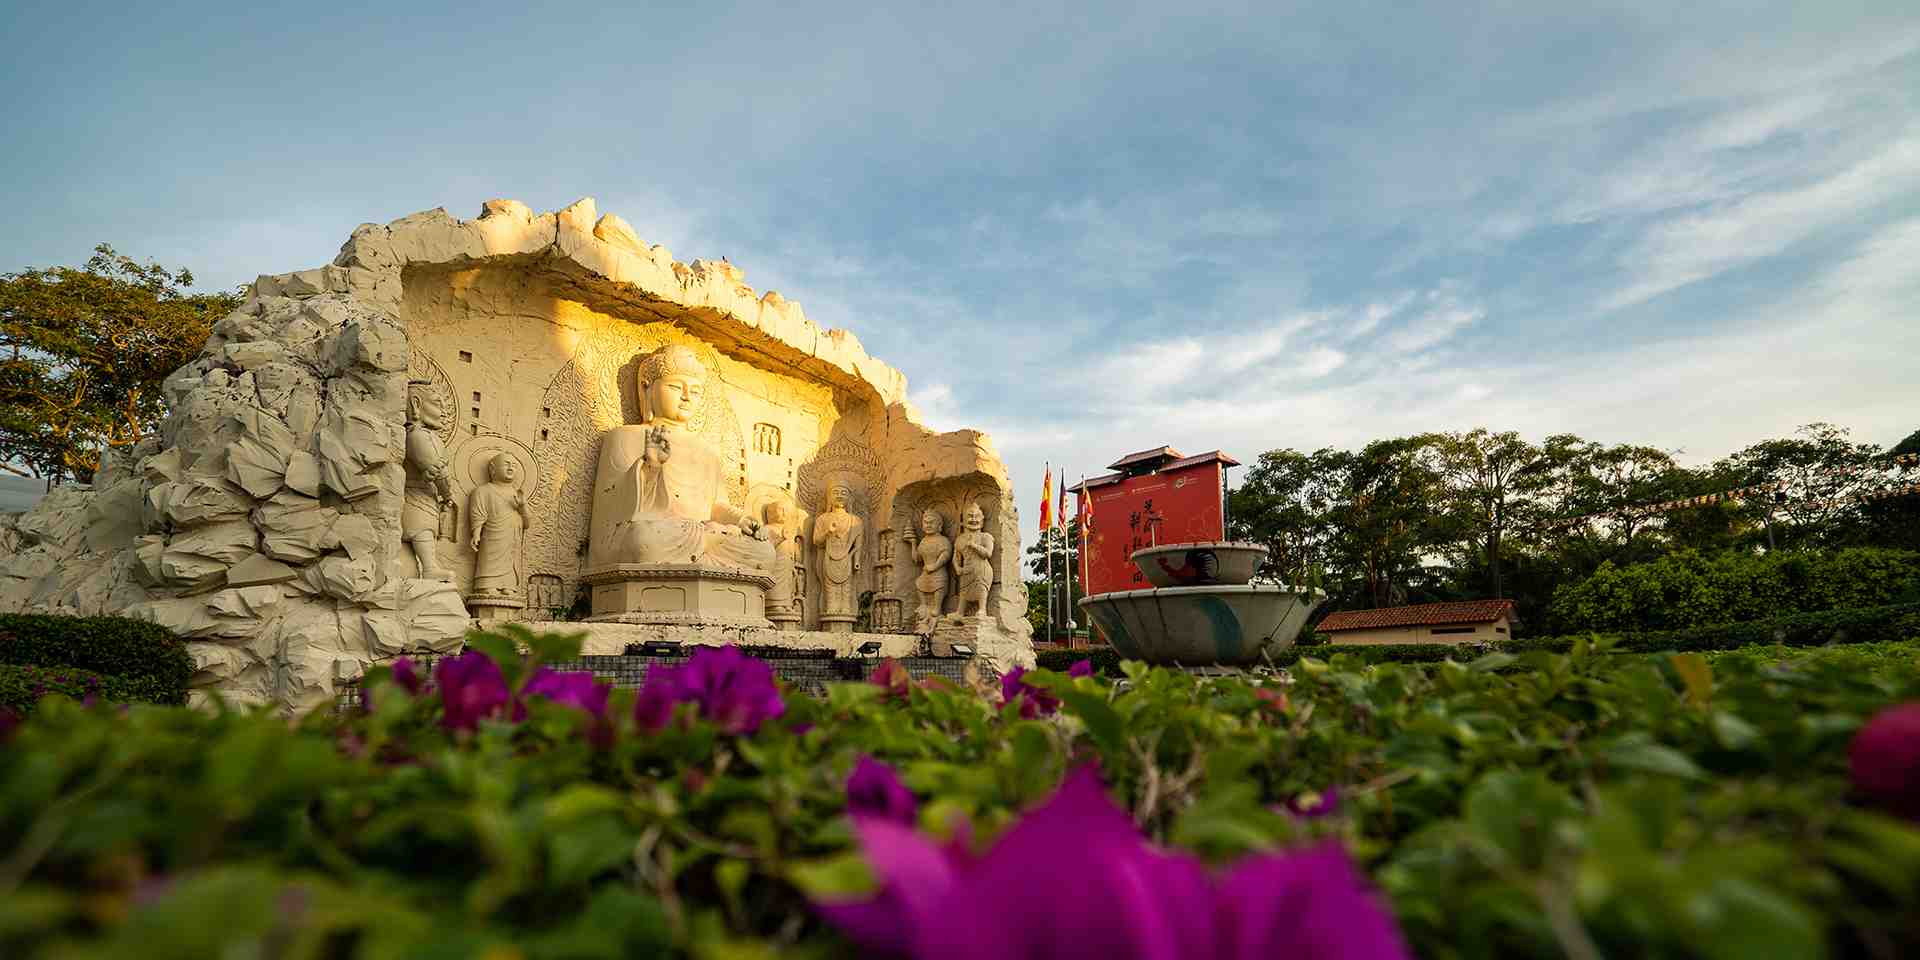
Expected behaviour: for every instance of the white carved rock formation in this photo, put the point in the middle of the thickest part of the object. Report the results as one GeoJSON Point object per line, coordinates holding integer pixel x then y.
{"type": "Point", "coordinates": [263, 522]}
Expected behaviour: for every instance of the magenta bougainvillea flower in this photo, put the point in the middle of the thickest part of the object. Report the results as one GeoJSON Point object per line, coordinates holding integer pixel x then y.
{"type": "Point", "coordinates": [653, 707]}
{"type": "Point", "coordinates": [891, 677]}
{"type": "Point", "coordinates": [1885, 759]}
{"type": "Point", "coordinates": [1081, 668]}
{"type": "Point", "coordinates": [471, 689]}
{"type": "Point", "coordinates": [875, 790]}
{"type": "Point", "coordinates": [733, 691]}
{"type": "Point", "coordinates": [408, 676]}
{"type": "Point", "coordinates": [1131, 899]}
{"type": "Point", "coordinates": [1034, 701]}
{"type": "Point", "coordinates": [579, 690]}
{"type": "Point", "coordinates": [1309, 903]}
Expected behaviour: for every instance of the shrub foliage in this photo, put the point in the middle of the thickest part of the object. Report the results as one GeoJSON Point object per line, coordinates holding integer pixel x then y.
{"type": "Point", "coordinates": [1685, 589]}
{"type": "Point", "coordinates": [1537, 804]}
{"type": "Point", "coordinates": [150, 662]}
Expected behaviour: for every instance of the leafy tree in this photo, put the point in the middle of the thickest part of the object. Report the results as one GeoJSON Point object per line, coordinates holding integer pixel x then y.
{"type": "Point", "coordinates": [1385, 519]}
{"type": "Point", "coordinates": [1041, 593]}
{"type": "Point", "coordinates": [1486, 480]}
{"type": "Point", "coordinates": [1284, 504]}
{"type": "Point", "coordinates": [1819, 471]}
{"type": "Point", "coordinates": [83, 353]}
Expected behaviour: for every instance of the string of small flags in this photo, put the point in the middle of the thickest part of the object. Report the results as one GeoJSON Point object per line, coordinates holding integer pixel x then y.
{"type": "Point", "coordinates": [1776, 489]}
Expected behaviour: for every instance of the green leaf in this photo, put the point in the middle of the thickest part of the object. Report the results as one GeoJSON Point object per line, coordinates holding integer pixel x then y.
{"type": "Point", "coordinates": [1637, 753]}
{"type": "Point", "coordinates": [1103, 724]}
{"type": "Point", "coordinates": [1492, 662]}
{"type": "Point", "coordinates": [1697, 674]}
{"type": "Point", "coordinates": [842, 877]}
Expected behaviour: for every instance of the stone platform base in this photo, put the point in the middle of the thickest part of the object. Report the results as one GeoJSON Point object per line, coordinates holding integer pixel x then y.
{"type": "Point", "coordinates": [606, 639]}
{"type": "Point", "coordinates": [977, 634]}
{"type": "Point", "coordinates": [679, 594]}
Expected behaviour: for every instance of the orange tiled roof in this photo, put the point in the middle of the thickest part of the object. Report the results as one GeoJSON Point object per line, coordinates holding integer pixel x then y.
{"type": "Point", "coordinates": [1418, 615]}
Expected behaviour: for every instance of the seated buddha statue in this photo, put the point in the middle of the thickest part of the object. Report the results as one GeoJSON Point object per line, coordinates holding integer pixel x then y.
{"type": "Point", "coordinates": [658, 495]}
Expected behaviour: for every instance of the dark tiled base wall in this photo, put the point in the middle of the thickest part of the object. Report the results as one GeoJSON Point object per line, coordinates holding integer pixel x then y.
{"type": "Point", "coordinates": [805, 674]}
{"type": "Point", "coordinates": [811, 674]}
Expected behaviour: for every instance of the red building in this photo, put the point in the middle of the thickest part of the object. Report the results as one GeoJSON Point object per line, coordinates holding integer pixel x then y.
{"type": "Point", "coordinates": [1154, 496]}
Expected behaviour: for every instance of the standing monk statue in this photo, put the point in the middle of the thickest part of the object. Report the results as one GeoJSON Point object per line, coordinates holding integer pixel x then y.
{"type": "Point", "coordinates": [497, 523]}
{"type": "Point", "coordinates": [836, 542]}
{"type": "Point", "coordinates": [973, 561]}
{"type": "Point", "coordinates": [658, 496]}
{"type": "Point", "coordinates": [428, 492]}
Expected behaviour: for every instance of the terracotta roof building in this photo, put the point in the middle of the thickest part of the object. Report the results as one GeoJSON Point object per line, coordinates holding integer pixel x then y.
{"type": "Point", "coordinates": [1468, 621]}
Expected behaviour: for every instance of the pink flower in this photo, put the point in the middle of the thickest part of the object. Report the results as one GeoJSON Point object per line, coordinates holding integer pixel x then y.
{"type": "Point", "coordinates": [891, 677]}
{"type": "Point", "coordinates": [1081, 668]}
{"type": "Point", "coordinates": [1034, 701]}
{"type": "Point", "coordinates": [408, 676]}
{"type": "Point", "coordinates": [471, 689]}
{"type": "Point", "coordinates": [875, 790]}
{"type": "Point", "coordinates": [578, 690]}
{"type": "Point", "coordinates": [1885, 759]}
{"type": "Point", "coordinates": [732, 690]}
{"type": "Point", "coordinates": [1131, 900]}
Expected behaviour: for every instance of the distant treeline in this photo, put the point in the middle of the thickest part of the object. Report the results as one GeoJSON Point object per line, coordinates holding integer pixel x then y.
{"type": "Point", "coordinates": [1450, 516]}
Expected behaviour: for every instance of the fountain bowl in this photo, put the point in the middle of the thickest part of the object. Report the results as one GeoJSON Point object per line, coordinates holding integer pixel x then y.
{"type": "Point", "coordinates": [1222, 624]}
{"type": "Point", "coordinates": [1197, 564]}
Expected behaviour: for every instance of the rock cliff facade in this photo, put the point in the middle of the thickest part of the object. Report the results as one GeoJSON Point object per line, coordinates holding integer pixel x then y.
{"type": "Point", "coordinates": [264, 521]}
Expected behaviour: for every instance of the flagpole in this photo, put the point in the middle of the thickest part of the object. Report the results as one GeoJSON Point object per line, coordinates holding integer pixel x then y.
{"type": "Point", "coordinates": [1085, 504]}
{"type": "Point", "coordinates": [1047, 543]}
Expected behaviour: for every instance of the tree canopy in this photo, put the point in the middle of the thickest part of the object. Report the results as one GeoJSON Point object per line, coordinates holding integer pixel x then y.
{"type": "Point", "coordinates": [83, 354]}
{"type": "Point", "coordinates": [1482, 513]}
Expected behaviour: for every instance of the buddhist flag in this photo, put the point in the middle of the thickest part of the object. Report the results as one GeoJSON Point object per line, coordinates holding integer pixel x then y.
{"type": "Point", "coordinates": [1086, 507]}
{"type": "Point", "coordinates": [1046, 500]}
{"type": "Point", "coordinates": [1060, 519]}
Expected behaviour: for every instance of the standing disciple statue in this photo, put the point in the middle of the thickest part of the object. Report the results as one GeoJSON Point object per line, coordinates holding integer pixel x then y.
{"type": "Point", "coordinates": [658, 495]}
{"type": "Point", "coordinates": [428, 492]}
{"type": "Point", "coordinates": [973, 561]}
{"type": "Point", "coordinates": [932, 554]}
{"type": "Point", "coordinates": [786, 549]}
{"type": "Point", "coordinates": [497, 522]}
{"type": "Point", "coordinates": [836, 544]}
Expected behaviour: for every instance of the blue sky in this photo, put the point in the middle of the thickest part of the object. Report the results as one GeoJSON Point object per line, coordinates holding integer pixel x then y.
{"type": "Point", "coordinates": [1091, 229]}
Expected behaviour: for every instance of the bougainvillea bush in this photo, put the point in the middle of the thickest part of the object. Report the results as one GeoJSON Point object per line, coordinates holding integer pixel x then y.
{"type": "Point", "coordinates": [1750, 804]}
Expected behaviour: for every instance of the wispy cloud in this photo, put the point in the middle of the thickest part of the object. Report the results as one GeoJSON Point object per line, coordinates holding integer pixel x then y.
{"type": "Point", "coordinates": [1694, 247]}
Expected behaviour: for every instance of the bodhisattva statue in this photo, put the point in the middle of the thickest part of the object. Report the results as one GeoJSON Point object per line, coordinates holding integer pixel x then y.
{"type": "Point", "coordinates": [428, 491]}
{"type": "Point", "coordinates": [836, 543]}
{"type": "Point", "coordinates": [658, 496]}
{"type": "Point", "coordinates": [973, 561]}
{"type": "Point", "coordinates": [786, 548]}
{"type": "Point", "coordinates": [497, 523]}
{"type": "Point", "coordinates": [932, 554]}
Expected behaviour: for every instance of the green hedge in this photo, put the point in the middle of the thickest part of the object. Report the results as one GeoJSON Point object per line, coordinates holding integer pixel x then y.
{"type": "Point", "coordinates": [1105, 661]}
{"type": "Point", "coordinates": [1686, 589]}
{"type": "Point", "coordinates": [1892, 622]}
{"type": "Point", "coordinates": [133, 650]}
{"type": "Point", "coordinates": [22, 687]}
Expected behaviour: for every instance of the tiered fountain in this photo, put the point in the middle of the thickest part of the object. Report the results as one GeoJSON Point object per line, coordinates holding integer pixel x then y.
{"type": "Point", "coordinates": [1201, 610]}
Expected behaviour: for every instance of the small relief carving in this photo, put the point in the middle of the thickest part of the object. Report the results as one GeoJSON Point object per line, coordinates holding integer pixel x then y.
{"type": "Point", "coordinates": [766, 438]}
{"type": "Point", "coordinates": [428, 492]}
{"type": "Point", "coordinates": [548, 596]}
